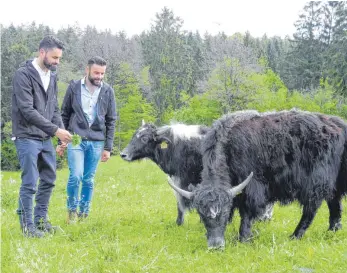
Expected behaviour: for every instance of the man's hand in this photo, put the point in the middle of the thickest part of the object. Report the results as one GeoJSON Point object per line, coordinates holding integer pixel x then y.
{"type": "Point", "coordinates": [60, 150]}
{"type": "Point", "coordinates": [63, 135]}
{"type": "Point", "coordinates": [105, 156]}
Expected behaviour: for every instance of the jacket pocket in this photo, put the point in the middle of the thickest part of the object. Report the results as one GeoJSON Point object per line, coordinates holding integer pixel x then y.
{"type": "Point", "coordinates": [78, 122]}
{"type": "Point", "coordinates": [25, 126]}
{"type": "Point", "coordinates": [98, 124]}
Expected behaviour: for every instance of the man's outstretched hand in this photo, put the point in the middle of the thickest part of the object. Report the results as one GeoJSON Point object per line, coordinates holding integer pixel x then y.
{"type": "Point", "coordinates": [63, 135]}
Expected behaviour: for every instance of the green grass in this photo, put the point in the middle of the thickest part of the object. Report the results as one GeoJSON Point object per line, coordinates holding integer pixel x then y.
{"type": "Point", "coordinates": [132, 229]}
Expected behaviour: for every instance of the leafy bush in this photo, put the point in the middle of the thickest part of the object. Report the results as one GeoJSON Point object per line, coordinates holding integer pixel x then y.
{"type": "Point", "coordinates": [200, 109]}
{"type": "Point", "coordinates": [132, 107]}
{"type": "Point", "coordinates": [9, 159]}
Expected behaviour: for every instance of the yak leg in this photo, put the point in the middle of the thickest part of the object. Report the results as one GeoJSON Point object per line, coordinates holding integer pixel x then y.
{"type": "Point", "coordinates": [181, 204]}
{"type": "Point", "coordinates": [231, 214]}
{"type": "Point", "coordinates": [246, 225]}
{"type": "Point", "coordinates": [180, 210]}
{"type": "Point", "coordinates": [335, 210]}
{"type": "Point", "coordinates": [308, 213]}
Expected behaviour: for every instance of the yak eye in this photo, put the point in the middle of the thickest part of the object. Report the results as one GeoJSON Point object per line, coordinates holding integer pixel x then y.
{"type": "Point", "coordinates": [144, 139]}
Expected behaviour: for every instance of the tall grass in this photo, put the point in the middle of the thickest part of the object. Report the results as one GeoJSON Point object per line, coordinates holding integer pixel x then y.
{"type": "Point", "coordinates": [132, 228]}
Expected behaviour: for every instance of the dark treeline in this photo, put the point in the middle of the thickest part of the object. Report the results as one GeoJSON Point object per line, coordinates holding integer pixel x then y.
{"type": "Point", "coordinates": [167, 73]}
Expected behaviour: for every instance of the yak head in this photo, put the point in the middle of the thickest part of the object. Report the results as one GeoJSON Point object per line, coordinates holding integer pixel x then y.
{"type": "Point", "coordinates": [144, 142]}
{"type": "Point", "coordinates": [213, 203]}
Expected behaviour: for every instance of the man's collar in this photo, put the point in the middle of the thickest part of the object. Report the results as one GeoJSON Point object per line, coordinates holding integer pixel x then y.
{"type": "Point", "coordinates": [39, 69]}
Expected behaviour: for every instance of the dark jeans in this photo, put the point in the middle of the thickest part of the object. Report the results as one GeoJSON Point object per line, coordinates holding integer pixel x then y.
{"type": "Point", "coordinates": [38, 161]}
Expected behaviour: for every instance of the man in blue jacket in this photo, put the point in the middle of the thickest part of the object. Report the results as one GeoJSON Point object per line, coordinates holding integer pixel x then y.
{"type": "Point", "coordinates": [88, 110]}
{"type": "Point", "coordinates": [35, 119]}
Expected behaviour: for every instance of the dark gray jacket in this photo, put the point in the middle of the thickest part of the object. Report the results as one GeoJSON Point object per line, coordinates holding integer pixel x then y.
{"type": "Point", "coordinates": [35, 112]}
{"type": "Point", "coordinates": [75, 121]}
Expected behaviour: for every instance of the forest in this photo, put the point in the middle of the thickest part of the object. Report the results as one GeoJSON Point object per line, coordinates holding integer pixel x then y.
{"type": "Point", "coordinates": [169, 75]}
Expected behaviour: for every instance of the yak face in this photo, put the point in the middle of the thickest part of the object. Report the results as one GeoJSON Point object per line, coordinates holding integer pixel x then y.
{"type": "Point", "coordinates": [213, 204]}
{"type": "Point", "coordinates": [142, 144]}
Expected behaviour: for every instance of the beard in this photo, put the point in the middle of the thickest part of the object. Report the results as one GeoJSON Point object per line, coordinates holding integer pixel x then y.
{"type": "Point", "coordinates": [93, 81]}
{"type": "Point", "coordinates": [49, 65]}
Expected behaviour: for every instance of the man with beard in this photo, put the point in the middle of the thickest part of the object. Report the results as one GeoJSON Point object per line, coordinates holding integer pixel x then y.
{"type": "Point", "coordinates": [89, 111]}
{"type": "Point", "coordinates": [35, 119]}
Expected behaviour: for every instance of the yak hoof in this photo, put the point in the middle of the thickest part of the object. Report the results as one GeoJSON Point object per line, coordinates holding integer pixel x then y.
{"type": "Point", "coordinates": [335, 227]}
{"type": "Point", "coordinates": [179, 221]}
{"type": "Point", "coordinates": [296, 236]}
{"type": "Point", "coordinates": [245, 239]}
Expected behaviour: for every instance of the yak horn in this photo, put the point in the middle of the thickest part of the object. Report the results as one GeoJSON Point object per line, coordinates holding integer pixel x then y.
{"type": "Point", "coordinates": [143, 122]}
{"type": "Point", "coordinates": [237, 189]}
{"type": "Point", "coordinates": [186, 194]}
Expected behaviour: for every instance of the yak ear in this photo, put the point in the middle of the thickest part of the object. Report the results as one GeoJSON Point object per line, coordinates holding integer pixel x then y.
{"type": "Point", "coordinates": [163, 134]}
{"type": "Point", "coordinates": [143, 122]}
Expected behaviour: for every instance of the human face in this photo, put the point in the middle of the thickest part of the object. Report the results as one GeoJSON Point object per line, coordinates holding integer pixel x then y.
{"type": "Point", "coordinates": [51, 58]}
{"type": "Point", "coordinates": [96, 74]}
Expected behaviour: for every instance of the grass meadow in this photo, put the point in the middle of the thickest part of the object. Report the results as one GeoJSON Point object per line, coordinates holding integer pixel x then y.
{"type": "Point", "coordinates": [132, 228]}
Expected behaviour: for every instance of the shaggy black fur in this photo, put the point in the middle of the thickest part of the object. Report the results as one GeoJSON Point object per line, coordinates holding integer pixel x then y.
{"type": "Point", "coordinates": [294, 155]}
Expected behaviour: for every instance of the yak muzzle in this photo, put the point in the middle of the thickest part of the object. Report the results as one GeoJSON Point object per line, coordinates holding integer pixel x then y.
{"type": "Point", "coordinates": [124, 155]}
{"type": "Point", "coordinates": [216, 243]}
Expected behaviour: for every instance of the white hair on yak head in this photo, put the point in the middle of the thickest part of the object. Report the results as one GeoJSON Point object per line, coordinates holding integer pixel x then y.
{"type": "Point", "coordinates": [180, 131]}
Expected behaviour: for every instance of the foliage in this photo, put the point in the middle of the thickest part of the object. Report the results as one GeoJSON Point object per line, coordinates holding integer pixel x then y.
{"type": "Point", "coordinates": [9, 159]}
{"type": "Point", "coordinates": [200, 109]}
{"type": "Point", "coordinates": [278, 97]}
{"type": "Point", "coordinates": [318, 49]}
{"type": "Point", "coordinates": [230, 85]}
{"type": "Point", "coordinates": [132, 107]}
{"type": "Point", "coordinates": [175, 60]}
{"type": "Point", "coordinates": [76, 140]}
{"type": "Point", "coordinates": [61, 160]}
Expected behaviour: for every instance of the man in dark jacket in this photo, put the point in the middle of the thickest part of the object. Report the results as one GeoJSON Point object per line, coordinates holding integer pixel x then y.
{"type": "Point", "coordinates": [89, 111]}
{"type": "Point", "coordinates": [35, 119]}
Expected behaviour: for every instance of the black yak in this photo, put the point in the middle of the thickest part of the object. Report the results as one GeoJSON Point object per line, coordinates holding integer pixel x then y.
{"type": "Point", "coordinates": [292, 155]}
{"type": "Point", "coordinates": [176, 150]}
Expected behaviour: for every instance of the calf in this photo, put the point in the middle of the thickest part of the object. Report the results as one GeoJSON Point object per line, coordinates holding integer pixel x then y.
{"type": "Point", "coordinates": [176, 150]}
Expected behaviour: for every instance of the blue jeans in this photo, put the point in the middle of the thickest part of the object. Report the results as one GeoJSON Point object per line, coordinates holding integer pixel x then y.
{"type": "Point", "coordinates": [38, 161]}
{"type": "Point", "coordinates": [83, 160]}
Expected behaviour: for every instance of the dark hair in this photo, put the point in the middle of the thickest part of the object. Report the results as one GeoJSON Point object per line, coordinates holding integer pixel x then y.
{"type": "Point", "coordinates": [96, 60]}
{"type": "Point", "coordinates": [50, 42]}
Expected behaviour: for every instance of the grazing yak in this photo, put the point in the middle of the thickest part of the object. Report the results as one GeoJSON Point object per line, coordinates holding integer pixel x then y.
{"type": "Point", "coordinates": [288, 155]}
{"type": "Point", "coordinates": [176, 149]}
